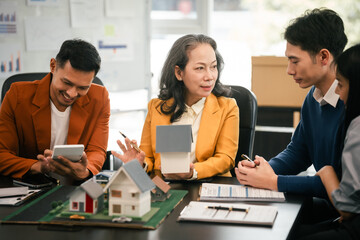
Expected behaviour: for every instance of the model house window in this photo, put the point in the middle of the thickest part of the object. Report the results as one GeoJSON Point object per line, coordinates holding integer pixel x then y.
{"type": "Point", "coordinates": [75, 205]}
{"type": "Point", "coordinates": [133, 207]}
{"type": "Point", "coordinates": [116, 208]}
{"type": "Point", "coordinates": [96, 204]}
{"type": "Point", "coordinates": [133, 195]}
{"type": "Point", "coordinates": [116, 193]}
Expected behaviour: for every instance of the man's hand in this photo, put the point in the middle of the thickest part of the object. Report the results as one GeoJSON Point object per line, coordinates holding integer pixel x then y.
{"type": "Point", "coordinates": [258, 174]}
{"type": "Point", "coordinates": [65, 167]}
{"type": "Point", "coordinates": [41, 166]}
{"type": "Point", "coordinates": [179, 176]}
{"type": "Point", "coordinates": [129, 153]}
{"type": "Point", "coordinates": [247, 163]}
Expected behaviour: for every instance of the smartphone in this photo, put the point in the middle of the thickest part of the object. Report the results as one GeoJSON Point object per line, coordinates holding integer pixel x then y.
{"type": "Point", "coordinates": [73, 152]}
{"type": "Point", "coordinates": [35, 181]}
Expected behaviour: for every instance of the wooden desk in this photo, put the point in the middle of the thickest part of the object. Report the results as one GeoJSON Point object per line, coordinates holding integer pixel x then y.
{"type": "Point", "coordinates": [169, 229]}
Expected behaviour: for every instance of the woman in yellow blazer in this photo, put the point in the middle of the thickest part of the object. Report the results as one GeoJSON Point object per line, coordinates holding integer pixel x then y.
{"type": "Point", "coordinates": [191, 93]}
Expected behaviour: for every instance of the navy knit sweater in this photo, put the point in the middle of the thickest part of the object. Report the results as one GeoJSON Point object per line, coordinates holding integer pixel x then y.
{"type": "Point", "coordinates": [315, 141]}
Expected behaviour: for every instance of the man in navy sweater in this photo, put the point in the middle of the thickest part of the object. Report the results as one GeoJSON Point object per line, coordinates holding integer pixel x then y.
{"type": "Point", "coordinates": [313, 41]}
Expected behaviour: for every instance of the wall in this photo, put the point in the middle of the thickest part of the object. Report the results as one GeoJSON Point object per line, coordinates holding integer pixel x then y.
{"type": "Point", "coordinates": [272, 85]}
{"type": "Point", "coordinates": [279, 102]}
{"type": "Point", "coordinates": [116, 23]}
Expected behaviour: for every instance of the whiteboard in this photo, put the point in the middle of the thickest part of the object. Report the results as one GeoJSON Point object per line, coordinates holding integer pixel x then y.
{"type": "Point", "coordinates": [118, 29]}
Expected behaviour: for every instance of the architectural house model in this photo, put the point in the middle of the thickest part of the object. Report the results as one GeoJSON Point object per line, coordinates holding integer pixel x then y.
{"type": "Point", "coordinates": [173, 142]}
{"type": "Point", "coordinates": [129, 191]}
{"type": "Point", "coordinates": [161, 191]}
{"type": "Point", "coordinates": [88, 197]}
{"type": "Point", "coordinates": [103, 177]}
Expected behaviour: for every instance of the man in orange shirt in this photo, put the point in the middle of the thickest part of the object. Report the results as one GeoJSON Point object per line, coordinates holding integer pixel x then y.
{"type": "Point", "coordinates": [62, 108]}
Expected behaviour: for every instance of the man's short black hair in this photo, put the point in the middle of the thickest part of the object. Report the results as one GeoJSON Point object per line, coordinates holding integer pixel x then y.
{"type": "Point", "coordinates": [81, 54]}
{"type": "Point", "coordinates": [317, 29]}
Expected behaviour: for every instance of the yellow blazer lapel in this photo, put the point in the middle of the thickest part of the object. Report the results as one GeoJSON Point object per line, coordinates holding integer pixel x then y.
{"type": "Point", "coordinates": [42, 117]}
{"type": "Point", "coordinates": [78, 118]}
{"type": "Point", "coordinates": [209, 125]}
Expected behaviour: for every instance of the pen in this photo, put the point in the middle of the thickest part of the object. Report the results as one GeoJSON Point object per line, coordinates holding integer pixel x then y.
{"type": "Point", "coordinates": [244, 156]}
{"type": "Point", "coordinates": [132, 144]}
{"type": "Point", "coordinates": [229, 208]}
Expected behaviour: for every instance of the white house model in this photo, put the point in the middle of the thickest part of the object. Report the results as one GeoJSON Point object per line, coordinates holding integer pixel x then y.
{"type": "Point", "coordinates": [129, 191]}
{"type": "Point", "coordinates": [173, 142]}
{"type": "Point", "coordinates": [88, 197]}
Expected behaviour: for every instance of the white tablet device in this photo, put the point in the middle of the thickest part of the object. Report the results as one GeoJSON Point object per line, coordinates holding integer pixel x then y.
{"type": "Point", "coordinates": [73, 152]}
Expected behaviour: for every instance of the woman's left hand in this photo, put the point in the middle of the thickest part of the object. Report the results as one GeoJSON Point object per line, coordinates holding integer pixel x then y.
{"type": "Point", "coordinates": [325, 171]}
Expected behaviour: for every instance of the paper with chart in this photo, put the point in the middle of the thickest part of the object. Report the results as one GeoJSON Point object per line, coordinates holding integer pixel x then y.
{"type": "Point", "coordinates": [222, 212]}
{"type": "Point", "coordinates": [233, 193]}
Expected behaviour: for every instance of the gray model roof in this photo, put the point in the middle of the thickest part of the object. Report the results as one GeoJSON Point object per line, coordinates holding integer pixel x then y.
{"type": "Point", "coordinates": [92, 188]}
{"type": "Point", "coordinates": [136, 173]}
{"type": "Point", "coordinates": [173, 138]}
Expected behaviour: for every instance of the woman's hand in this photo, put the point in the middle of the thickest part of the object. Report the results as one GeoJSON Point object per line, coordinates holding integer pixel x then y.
{"type": "Point", "coordinates": [180, 176]}
{"type": "Point", "coordinates": [129, 152]}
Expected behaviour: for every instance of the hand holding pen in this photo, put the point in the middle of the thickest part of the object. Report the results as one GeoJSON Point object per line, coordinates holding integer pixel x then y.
{"type": "Point", "coordinates": [245, 157]}
{"type": "Point", "coordinates": [130, 151]}
{"type": "Point", "coordinates": [133, 144]}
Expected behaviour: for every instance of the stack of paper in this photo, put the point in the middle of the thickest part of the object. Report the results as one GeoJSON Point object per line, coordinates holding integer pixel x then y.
{"type": "Point", "coordinates": [14, 196]}
{"type": "Point", "coordinates": [234, 193]}
{"type": "Point", "coordinates": [229, 213]}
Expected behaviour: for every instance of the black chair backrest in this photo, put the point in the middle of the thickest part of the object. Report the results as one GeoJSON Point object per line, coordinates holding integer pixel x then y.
{"type": "Point", "coordinates": [22, 77]}
{"type": "Point", "coordinates": [247, 103]}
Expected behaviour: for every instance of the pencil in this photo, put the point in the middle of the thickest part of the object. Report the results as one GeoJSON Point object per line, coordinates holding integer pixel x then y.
{"type": "Point", "coordinates": [229, 208]}
{"type": "Point", "coordinates": [132, 144]}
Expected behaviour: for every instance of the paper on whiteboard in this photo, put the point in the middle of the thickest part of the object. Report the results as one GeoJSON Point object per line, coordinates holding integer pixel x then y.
{"type": "Point", "coordinates": [10, 60]}
{"type": "Point", "coordinates": [86, 13]}
{"type": "Point", "coordinates": [46, 33]}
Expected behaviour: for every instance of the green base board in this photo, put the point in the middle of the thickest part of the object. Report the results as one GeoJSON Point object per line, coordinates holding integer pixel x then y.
{"type": "Point", "coordinates": [39, 211]}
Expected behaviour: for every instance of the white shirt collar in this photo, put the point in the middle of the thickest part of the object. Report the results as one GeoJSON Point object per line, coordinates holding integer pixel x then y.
{"type": "Point", "coordinates": [198, 106]}
{"type": "Point", "coordinates": [330, 97]}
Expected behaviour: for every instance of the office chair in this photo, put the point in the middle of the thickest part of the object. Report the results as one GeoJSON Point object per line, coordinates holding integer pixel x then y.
{"type": "Point", "coordinates": [22, 77]}
{"type": "Point", "coordinates": [247, 103]}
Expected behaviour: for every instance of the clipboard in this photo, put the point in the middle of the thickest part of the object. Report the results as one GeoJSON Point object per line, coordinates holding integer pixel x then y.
{"type": "Point", "coordinates": [16, 200]}
{"type": "Point", "coordinates": [235, 193]}
{"type": "Point", "coordinates": [263, 215]}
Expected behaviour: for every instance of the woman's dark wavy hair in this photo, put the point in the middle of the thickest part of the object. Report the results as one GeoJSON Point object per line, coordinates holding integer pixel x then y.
{"type": "Point", "coordinates": [348, 66]}
{"type": "Point", "coordinates": [170, 87]}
